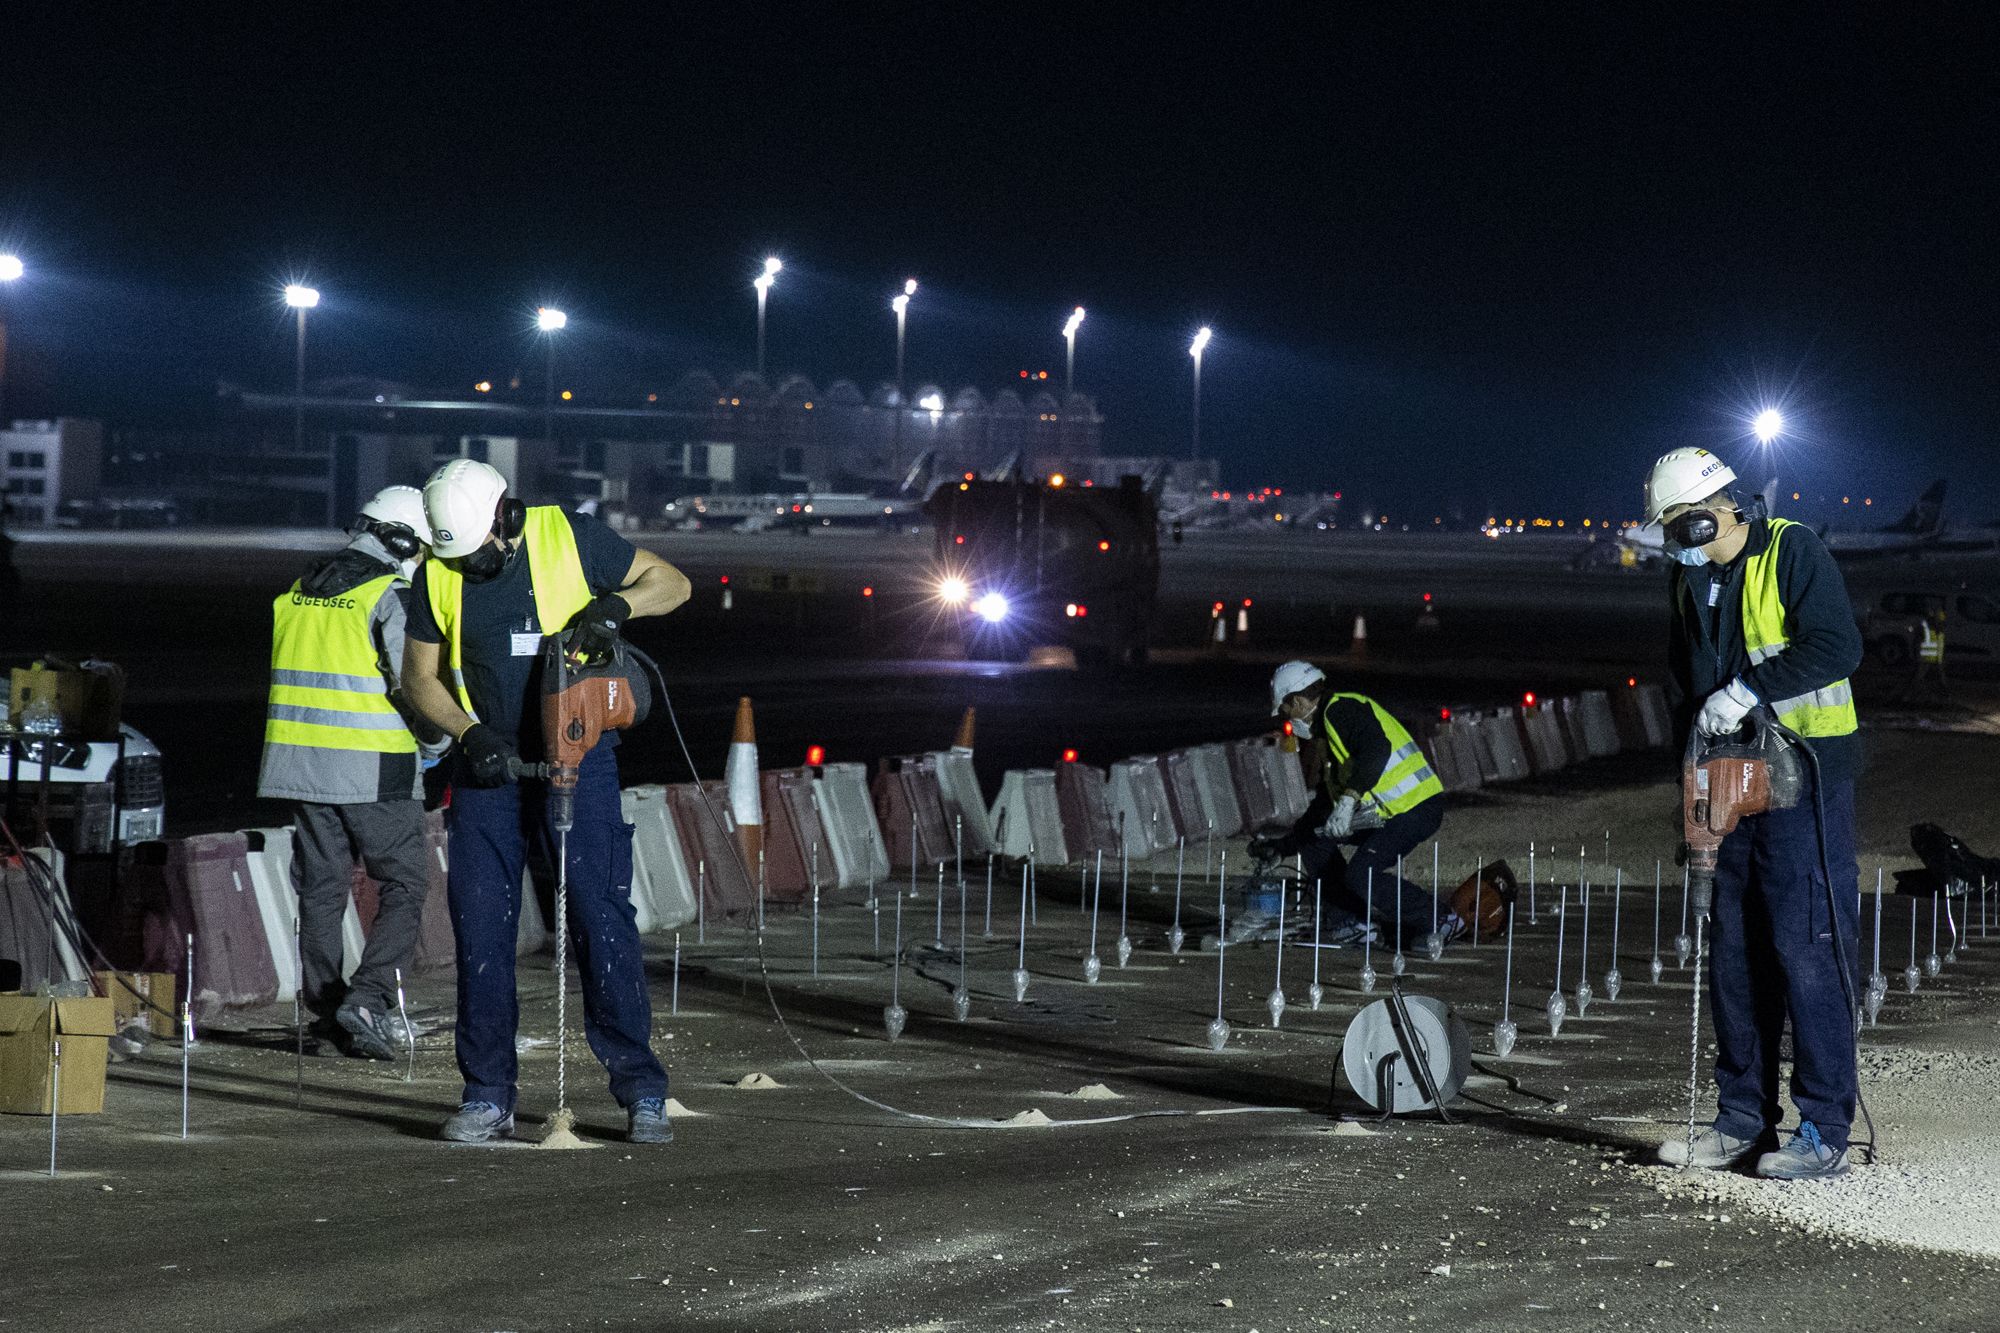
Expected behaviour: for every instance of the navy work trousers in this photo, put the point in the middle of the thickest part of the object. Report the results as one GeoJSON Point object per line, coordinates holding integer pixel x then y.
{"type": "Point", "coordinates": [490, 828]}
{"type": "Point", "coordinates": [1346, 878]}
{"type": "Point", "coordinates": [1773, 956]}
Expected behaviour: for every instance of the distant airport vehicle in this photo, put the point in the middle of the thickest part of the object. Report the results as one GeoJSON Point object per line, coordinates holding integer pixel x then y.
{"type": "Point", "coordinates": [1023, 562]}
{"type": "Point", "coordinates": [1893, 625]}
{"type": "Point", "coordinates": [806, 510]}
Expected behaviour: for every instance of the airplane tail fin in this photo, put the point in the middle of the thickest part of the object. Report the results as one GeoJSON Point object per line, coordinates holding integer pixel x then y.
{"type": "Point", "coordinates": [1927, 515]}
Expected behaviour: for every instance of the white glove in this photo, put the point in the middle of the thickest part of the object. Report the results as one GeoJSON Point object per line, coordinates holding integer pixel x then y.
{"type": "Point", "coordinates": [1340, 823]}
{"type": "Point", "coordinates": [1726, 708]}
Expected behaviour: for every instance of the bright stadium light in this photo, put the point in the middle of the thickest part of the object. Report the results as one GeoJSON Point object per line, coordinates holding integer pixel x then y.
{"type": "Point", "coordinates": [992, 608]}
{"type": "Point", "coordinates": [951, 590]}
{"type": "Point", "coordinates": [1768, 425]}
{"type": "Point", "coordinates": [11, 267]}
{"type": "Point", "coordinates": [549, 319]}
{"type": "Point", "coordinates": [301, 297]}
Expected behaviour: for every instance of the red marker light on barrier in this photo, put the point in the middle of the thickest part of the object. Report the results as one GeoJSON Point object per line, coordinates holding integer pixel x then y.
{"type": "Point", "coordinates": [1529, 698]}
{"type": "Point", "coordinates": [815, 755]}
{"type": "Point", "coordinates": [1069, 756]}
{"type": "Point", "coordinates": [959, 540]}
{"type": "Point", "coordinates": [725, 579]}
{"type": "Point", "coordinates": [1444, 715]}
{"type": "Point", "coordinates": [1632, 682]}
{"type": "Point", "coordinates": [1427, 598]}
{"type": "Point", "coordinates": [1246, 601]}
{"type": "Point", "coordinates": [1104, 546]}
{"type": "Point", "coordinates": [868, 591]}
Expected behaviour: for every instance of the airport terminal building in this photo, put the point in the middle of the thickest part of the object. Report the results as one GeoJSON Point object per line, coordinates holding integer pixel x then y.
{"type": "Point", "coordinates": [314, 460]}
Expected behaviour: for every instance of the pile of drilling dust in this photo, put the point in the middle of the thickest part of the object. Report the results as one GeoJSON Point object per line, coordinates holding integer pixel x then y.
{"type": "Point", "coordinates": [674, 1108]}
{"type": "Point", "coordinates": [1934, 1188]}
{"type": "Point", "coordinates": [1089, 1092]}
{"type": "Point", "coordinates": [757, 1082]}
{"type": "Point", "coordinates": [1353, 1129]}
{"type": "Point", "coordinates": [1029, 1119]}
{"type": "Point", "coordinates": [561, 1132]}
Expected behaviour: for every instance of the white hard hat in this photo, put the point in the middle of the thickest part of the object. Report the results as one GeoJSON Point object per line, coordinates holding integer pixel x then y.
{"type": "Point", "coordinates": [1290, 678]}
{"type": "Point", "coordinates": [400, 504]}
{"type": "Point", "coordinates": [462, 498]}
{"type": "Point", "coordinates": [1683, 477]}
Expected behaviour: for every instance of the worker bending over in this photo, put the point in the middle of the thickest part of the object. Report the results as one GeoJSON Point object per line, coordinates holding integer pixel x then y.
{"type": "Point", "coordinates": [1379, 794]}
{"type": "Point", "coordinates": [340, 741]}
{"type": "Point", "coordinates": [1761, 620]}
{"type": "Point", "coordinates": [505, 576]}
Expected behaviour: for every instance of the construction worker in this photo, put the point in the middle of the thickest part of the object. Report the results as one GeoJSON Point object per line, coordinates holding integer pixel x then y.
{"type": "Point", "coordinates": [1761, 619]}
{"type": "Point", "coordinates": [1377, 793]}
{"type": "Point", "coordinates": [504, 576]}
{"type": "Point", "coordinates": [340, 740]}
{"type": "Point", "coordinates": [1927, 684]}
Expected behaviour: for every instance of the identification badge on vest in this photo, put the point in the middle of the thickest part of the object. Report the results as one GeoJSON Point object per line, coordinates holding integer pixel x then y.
{"type": "Point", "coordinates": [526, 644]}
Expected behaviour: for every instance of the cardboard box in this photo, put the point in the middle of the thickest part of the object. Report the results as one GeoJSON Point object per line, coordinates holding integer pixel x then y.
{"type": "Point", "coordinates": [29, 1027]}
{"type": "Point", "coordinates": [88, 698]}
{"type": "Point", "coordinates": [143, 995]}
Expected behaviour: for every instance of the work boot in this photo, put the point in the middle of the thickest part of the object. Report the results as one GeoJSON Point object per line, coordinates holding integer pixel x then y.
{"type": "Point", "coordinates": [478, 1122]}
{"type": "Point", "coordinates": [368, 1034]}
{"type": "Point", "coordinates": [1452, 929]}
{"type": "Point", "coordinates": [646, 1121]}
{"type": "Point", "coordinates": [1713, 1150]}
{"type": "Point", "coordinates": [1352, 936]}
{"type": "Point", "coordinates": [1806, 1157]}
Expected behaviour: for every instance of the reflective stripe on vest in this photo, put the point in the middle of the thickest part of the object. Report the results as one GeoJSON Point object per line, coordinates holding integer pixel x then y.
{"type": "Point", "coordinates": [1406, 781]}
{"type": "Point", "coordinates": [1932, 647]}
{"type": "Point", "coordinates": [1827, 711]}
{"type": "Point", "coordinates": [327, 687]}
{"type": "Point", "coordinates": [555, 571]}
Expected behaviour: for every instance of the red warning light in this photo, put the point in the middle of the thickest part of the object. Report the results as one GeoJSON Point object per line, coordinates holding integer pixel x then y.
{"type": "Point", "coordinates": [1632, 682]}
{"type": "Point", "coordinates": [1215, 610]}
{"type": "Point", "coordinates": [868, 590]}
{"type": "Point", "coordinates": [1024, 374]}
{"type": "Point", "coordinates": [1069, 756]}
{"type": "Point", "coordinates": [1279, 491]}
{"type": "Point", "coordinates": [1246, 603]}
{"type": "Point", "coordinates": [1043, 375]}
{"type": "Point", "coordinates": [1336, 495]}
{"type": "Point", "coordinates": [1444, 715]}
{"type": "Point", "coordinates": [1082, 611]}
{"type": "Point", "coordinates": [968, 476]}
{"type": "Point", "coordinates": [815, 755]}
{"type": "Point", "coordinates": [795, 508]}
{"type": "Point", "coordinates": [725, 578]}
{"type": "Point", "coordinates": [959, 540]}
{"type": "Point", "coordinates": [1104, 546]}
{"type": "Point", "coordinates": [1288, 726]}
{"type": "Point", "coordinates": [1529, 698]}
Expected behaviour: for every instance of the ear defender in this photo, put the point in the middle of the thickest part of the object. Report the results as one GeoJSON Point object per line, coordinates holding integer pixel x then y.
{"type": "Point", "coordinates": [510, 519]}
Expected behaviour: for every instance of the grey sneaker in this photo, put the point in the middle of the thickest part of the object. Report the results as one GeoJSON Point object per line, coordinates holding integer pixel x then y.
{"type": "Point", "coordinates": [478, 1122]}
{"type": "Point", "coordinates": [1713, 1150]}
{"type": "Point", "coordinates": [1806, 1157]}
{"type": "Point", "coordinates": [646, 1121]}
{"type": "Point", "coordinates": [368, 1033]}
{"type": "Point", "coordinates": [1352, 936]}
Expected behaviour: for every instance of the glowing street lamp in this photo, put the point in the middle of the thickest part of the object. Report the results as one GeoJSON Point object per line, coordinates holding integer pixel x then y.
{"type": "Point", "coordinates": [762, 282]}
{"type": "Point", "coordinates": [901, 305]}
{"type": "Point", "coordinates": [1069, 357]}
{"type": "Point", "coordinates": [1195, 350]}
{"type": "Point", "coordinates": [550, 321]}
{"type": "Point", "coordinates": [11, 269]}
{"type": "Point", "coordinates": [1768, 425]}
{"type": "Point", "coordinates": [300, 298]}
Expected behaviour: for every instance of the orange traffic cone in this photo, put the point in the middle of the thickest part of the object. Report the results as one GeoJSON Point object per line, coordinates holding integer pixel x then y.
{"type": "Point", "coordinates": [963, 741]}
{"type": "Point", "coordinates": [746, 801]}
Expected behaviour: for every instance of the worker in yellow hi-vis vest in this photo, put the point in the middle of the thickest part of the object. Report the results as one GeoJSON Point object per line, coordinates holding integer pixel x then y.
{"type": "Point", "coordinates": [340, 741]}
{"type": "Point", "coordinates": [1761, 620]}
{"type": "Point", "coordinates": [504, 576]}
{"type": "Point", "coordinates": [1378, 794]}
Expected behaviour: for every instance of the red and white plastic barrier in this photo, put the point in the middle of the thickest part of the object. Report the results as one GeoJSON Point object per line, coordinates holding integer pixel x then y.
{"type": "Point", "coordinates": [1209, 766]}
{"type": "Point", "coordinates": [1086, 811]}
{"type": "Point", "coordinates": [1027, 817]}
{"type": "Point", "coordinates": [847, 821]}
{"type": "Point", "coordinates": [1138, 795]}
{"type": "Point", "coordinates": [662, 880]}
{"type": "Point", "coordinates": [958, 786]}
{"type": "Point", "coordinates": [907, 802]}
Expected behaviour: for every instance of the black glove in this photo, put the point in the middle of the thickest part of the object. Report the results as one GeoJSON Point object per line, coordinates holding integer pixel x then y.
{"type": "Point", "coordinates": [487, 755]}
{"type": "Point", "coordinates": [1266, 849]}
{"type": "Point", "coordinates": [596, 628]}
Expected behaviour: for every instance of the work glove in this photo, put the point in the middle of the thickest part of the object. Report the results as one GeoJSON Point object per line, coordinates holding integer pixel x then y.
{"type": "Point", "coordinates": [488, 756]}
{"type": "Point", "coordinates": [596, 627]}
{"type": "Point", "coordinates": [1726, 708]}
{"type": "Point", "coordinates": [1266, 849]}
{"type": "Point", "coordinates": [1340, 822]}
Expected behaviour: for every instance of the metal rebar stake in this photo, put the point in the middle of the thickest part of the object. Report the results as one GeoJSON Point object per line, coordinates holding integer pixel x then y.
{"type": "Point", "coordinates": [298, 1017]}
{"type": "Point", "coordinates": [55, 1089]}
{"type": "Point", "coordinates": [187, 1034]}
{"type": "Point", "coordinates": [675, 1002]}
{"type": "Point", "coordinates": [409, 1035]}
{"type": "Point", "coordinates": [701, 901]}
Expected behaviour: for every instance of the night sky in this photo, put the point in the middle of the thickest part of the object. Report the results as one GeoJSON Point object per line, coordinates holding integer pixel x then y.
{"type": "Point", "coordinates": [1489, 259]}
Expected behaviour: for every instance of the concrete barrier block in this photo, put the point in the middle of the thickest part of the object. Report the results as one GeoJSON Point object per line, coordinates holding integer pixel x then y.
{"type": "Point", "coordinates": [1085, 807]}
{"type": "Point", "coordinates": [847, 819]}
{"type": "Point", "coordinates": [964, 802]}
{"type": "Point", "coordinates": [662, 887]}
{"type": "Point", "coordinates": [1217, 789]}
{"type": "Point", "coordinates": [1027, 817]}
{"type": "Point", "coordinates": [910, 808]}
{"type": "Point", "coordinates": [1137, 792]}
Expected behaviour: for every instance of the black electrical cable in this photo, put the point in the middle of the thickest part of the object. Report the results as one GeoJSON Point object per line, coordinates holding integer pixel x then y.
{"type": "Point", "coordinates": [1833, 915]}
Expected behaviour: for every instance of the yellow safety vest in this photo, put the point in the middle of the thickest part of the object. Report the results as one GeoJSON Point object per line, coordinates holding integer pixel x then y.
{"type": "Point", "coordinates": [555, 571]}
{"type": "Point", "coordinates": [1406, 781]}
{"type": "Point", "coordinates": [328, 690]}
{"type": "Point", "coordinates": [1827, 711]}
{"type": "Point", "coordinates": [1931, 649]}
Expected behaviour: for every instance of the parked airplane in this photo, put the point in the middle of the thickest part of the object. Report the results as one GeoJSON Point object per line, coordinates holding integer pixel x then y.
{"type": "Point", "coordinates": [807, 509]}
{"type": "Point", "coordinates": [1915, 532]}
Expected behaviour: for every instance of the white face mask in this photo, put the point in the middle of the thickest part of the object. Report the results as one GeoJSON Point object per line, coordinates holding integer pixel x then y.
{"type": "Point", "coordinates": [1691, 556]}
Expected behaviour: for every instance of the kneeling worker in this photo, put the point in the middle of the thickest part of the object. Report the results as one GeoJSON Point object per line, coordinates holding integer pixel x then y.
{"type": "Point", "coordinates": [1761, 619]}
{"type": "Point", "coordinates": [505, 576]}
{"type": "Point", "coordinates": [340, 741]}
{"type": "Point", "coordinates": [1379, 794]}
